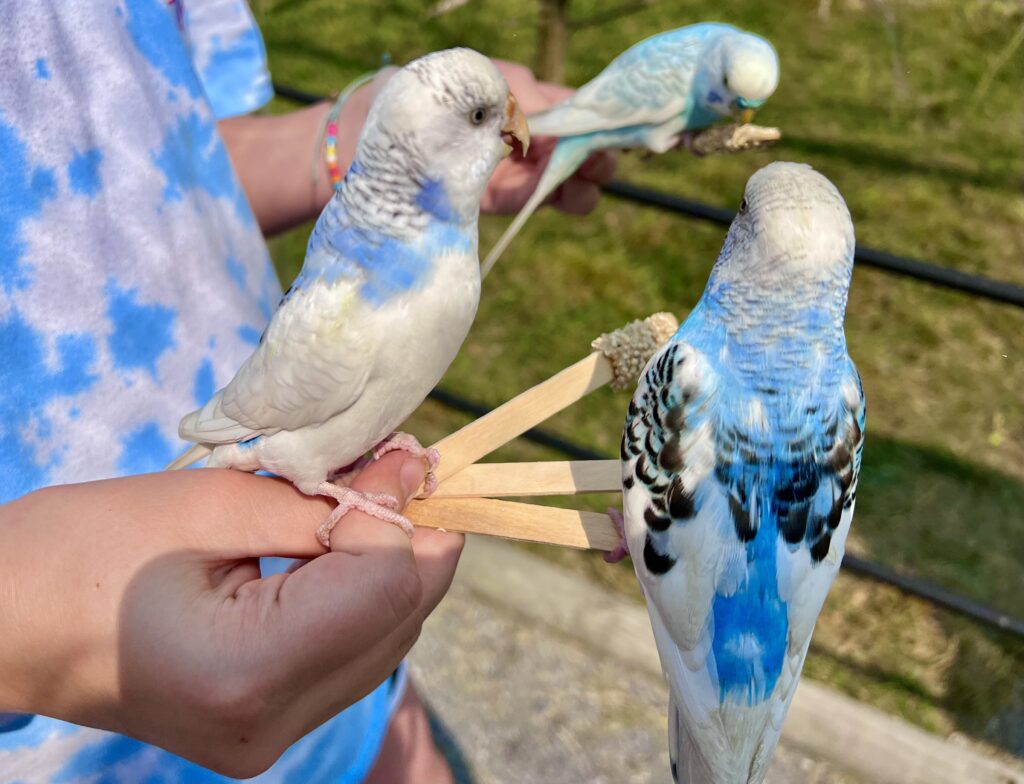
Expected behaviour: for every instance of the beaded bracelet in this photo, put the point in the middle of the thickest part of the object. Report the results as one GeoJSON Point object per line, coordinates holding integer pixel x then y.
{"type": "Point", "coordinates": [328, 137]}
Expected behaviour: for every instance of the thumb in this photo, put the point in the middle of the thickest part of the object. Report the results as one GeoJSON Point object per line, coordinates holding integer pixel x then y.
{"type": "Point", "coordinates": [345, 601]}
{"type": "Point", "coordinates": [398, 475]}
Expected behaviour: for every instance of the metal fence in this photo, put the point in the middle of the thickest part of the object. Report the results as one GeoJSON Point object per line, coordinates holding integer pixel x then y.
{"type": "Point", "coordinates": [926, 272]}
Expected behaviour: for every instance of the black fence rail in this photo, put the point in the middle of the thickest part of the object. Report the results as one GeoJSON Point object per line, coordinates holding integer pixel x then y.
{"type": "Point", "coordinates": [924, 271]}
{"type": "Point", "coordinates": [934, 274]}
{"type": "Point", "coordinates": [927, 272]}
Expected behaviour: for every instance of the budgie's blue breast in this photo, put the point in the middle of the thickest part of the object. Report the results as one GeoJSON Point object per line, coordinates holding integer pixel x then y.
{"type": "Point", "coordinates": [386, 263]}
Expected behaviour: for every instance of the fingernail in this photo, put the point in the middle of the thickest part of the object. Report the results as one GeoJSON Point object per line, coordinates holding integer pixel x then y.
{"type": "Point", "coordinates": [411, 476]}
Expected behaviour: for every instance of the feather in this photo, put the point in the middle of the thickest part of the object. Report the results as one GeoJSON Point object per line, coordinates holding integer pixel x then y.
{"type": "Point", "coordinates": [192, 455]}
{"type": "Point", "coordinates": [387, 292]}
{"type": "Point", "coordinates": [743, 444]}
{"type": "Point", "coordinates": [646, 98]}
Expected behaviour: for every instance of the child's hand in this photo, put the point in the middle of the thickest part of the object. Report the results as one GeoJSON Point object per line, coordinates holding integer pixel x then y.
{"type": "Point", "coordinates": [136, 605]}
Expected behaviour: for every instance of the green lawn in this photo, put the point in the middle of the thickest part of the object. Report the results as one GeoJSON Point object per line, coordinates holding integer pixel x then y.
{"type": "Point", "coordinates": [931, 168]}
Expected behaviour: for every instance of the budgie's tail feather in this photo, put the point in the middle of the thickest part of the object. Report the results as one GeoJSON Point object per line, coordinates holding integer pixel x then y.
{"type": "Point", "coordinates": [565, 159]}
{"type": "Point", "coordinates": [688, 764]}
{"type": "Point", "coordinates": [192, 455]}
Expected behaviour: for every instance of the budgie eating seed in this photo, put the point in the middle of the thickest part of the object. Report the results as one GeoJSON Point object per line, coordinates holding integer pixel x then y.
{"type": "Point", "coordinates": [648, 98]}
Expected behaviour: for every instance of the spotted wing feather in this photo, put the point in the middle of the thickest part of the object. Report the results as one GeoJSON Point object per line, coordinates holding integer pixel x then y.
{"type": "Point", "coordinates": [710, 498]}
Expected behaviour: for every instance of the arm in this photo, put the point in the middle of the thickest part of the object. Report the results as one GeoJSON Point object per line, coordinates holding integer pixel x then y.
{"type": "Point", "coordinates": [136, 605]}
{"type": "Point", "coordinates": [274, 157]}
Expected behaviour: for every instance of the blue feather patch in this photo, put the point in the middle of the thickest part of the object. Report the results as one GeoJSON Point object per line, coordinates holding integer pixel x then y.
{"type": "Point", "coordinates": [752, 627]}
{"type": "Point", "coordinates": [433, 200]}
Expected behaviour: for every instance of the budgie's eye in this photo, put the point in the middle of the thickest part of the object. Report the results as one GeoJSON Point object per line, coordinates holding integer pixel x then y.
{"type": "Point", "coordinates": [478, 115]}
{"type": "Point", "coordinates": [743, 206]}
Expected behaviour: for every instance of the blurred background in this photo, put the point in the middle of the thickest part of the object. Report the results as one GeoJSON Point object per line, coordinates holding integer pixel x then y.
{"type": "Point", "coordinates": [915, 110]}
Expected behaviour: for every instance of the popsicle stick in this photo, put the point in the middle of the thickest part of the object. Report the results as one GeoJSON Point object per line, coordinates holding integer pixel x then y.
{"type": "Point", "coordinates": [511, 520]}
{"type": "Point", "coordinates": [528, 409]}
{"type": "Point", "coordinates": [566, 477]}
{"type": "Point", "coordinates": [619, 358]}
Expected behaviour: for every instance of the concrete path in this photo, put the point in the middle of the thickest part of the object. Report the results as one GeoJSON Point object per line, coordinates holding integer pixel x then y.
{"type": "Point", "coordinates": [521, 703]}
{"type": "Point", "coordinates": [536, 675]}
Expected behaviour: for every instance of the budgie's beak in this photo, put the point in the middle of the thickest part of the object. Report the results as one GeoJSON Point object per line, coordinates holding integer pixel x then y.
{"type": "Point", "coordinates": [515, 126]}
{"type": "Point", "coordinates": [747, 115]}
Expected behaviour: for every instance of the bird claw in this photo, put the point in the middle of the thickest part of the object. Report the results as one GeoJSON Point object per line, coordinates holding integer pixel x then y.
{"type": "Point", "coordinates": [622, 549]}
{"type": "Point", "coordinates": [409, 443]}
{"type": "Point", "coordinates": [379, 505]}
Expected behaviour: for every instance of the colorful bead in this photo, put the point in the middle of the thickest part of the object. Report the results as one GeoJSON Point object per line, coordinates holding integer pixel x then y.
{"type": "Point", "coordinates": [330, 137]}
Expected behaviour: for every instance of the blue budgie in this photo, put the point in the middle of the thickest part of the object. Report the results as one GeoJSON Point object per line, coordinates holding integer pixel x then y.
{"type": "Point", "coordinates": [740, 457]}
{"type": "Point", "coordinates": [648, 97]}
{"type": "Point", "coordinates": [387, 293]}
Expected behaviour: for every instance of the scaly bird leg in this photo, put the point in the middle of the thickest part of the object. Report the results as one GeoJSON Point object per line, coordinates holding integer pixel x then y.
{"type": "Point", "coordinates": [379, 505]}
{"type": "Point", "coordinates": [410, 444]}
{"type": "Point", "coordinates": [622, 549]}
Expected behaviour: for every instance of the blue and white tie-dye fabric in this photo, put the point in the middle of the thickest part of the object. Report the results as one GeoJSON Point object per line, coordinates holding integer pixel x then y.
{"type": "Point", "coordinates": [133, 282]}
{"type": "Point", "coordinates": [228, 54]}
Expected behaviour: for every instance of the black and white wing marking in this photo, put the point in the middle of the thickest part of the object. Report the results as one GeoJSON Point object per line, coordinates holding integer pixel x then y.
{"type": "Point", "coordinates": [703, 475]}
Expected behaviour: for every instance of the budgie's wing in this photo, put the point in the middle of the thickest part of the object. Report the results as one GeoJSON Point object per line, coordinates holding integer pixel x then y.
{"type": "Point", "coordinates": [815, 512]}
{"type": "Point", "coordinates": [677, 525]}
{"type": "Point", "coordinates": [691, 512]}
{"type": "Point", "coordinates": [312, 363]}
{"type": "Point", "coordinates": [647, 84]}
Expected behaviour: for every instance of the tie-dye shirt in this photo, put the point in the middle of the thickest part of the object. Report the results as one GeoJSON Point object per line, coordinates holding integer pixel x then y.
{"type": "Point", "coordinates": [133, 282]}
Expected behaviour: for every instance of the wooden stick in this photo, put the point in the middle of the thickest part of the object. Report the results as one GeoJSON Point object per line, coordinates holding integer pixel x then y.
{"type": "Point", "coordinates": [511, 520]}
{"type": "Point", "coordinates": [566, 477]}
{"type": "Point", "coordinates": [619, 358]}
{"type": "Point", "coordinates": [526, 410]}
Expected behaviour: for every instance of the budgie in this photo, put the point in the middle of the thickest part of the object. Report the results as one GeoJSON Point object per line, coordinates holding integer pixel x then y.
{"type": "Point", "coordinates": [648, 97]}
{"type": "Point", "coordinates": [740, 456]}
{"type": "Point", "coordinates": [386, 295]}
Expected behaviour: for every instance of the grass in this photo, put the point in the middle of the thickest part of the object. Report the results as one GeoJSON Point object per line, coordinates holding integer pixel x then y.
{"type": "Point", "coordinates": [930, 168]}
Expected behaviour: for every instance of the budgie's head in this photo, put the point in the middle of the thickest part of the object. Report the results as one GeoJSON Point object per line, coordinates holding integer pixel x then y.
{"type": "Point", "coordinates": [749, 73]}
{"type": "Point", "coordinates": [451, 115]}
{"type": "Point", "coordinates": [792, 233]}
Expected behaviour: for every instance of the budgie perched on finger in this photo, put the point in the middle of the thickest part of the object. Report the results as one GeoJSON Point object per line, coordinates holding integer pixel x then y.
{"type": "Point", "coordinates": [648, 97]}
{"type": "Point", "coordinates": [740, 457]}
{"type": "Point", "coordinates": [387, 293]}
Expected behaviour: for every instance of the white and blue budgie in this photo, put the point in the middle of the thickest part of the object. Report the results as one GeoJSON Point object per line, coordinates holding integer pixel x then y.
{"type": "Point", "coordinates": [387, 293]}
{"type": "Point", "coordinates": [649, 97]}
{"type": "Point", "coordinates": [740, 458]}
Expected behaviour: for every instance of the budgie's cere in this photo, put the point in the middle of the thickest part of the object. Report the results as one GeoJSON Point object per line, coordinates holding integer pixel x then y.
{"type": "Point", "coordinates": [386, 295]}
{"type": "Point", "coordinates": [740, 459]}
{"type": "Point", "coordinates": [648, 97]}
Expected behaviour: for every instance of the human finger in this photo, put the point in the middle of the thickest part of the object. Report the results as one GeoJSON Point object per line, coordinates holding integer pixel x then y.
{"type": "Point", "coordinates": [600, 167]}
{"type": "Point", "coordinates": [577, 196]}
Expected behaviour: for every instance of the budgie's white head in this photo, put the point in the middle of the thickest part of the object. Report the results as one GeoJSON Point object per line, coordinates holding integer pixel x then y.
{"type": "Point", "coordinates": [792, 233]}
{"type": "Point", "coordinates": [448, 118]}
{"type": "Point", "coordinates": [748, 68]}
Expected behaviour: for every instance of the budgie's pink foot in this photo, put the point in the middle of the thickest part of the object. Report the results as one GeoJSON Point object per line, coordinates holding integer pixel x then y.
{"type": "Point", "coordinates": [622, 549]}
{"type": "Point", "coordinates": [379, 505]}
{"type": "Point", "coordinates": [410, 444]}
